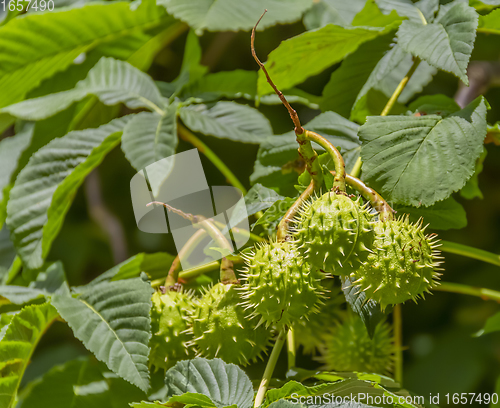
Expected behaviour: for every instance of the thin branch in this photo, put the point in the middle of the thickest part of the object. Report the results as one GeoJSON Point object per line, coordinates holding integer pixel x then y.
{"type": "Point", "coordinates": [338, 160]}
{"type": "Point", "coordinates": [271, 364]}
{"type": "Point", "coordinates": [400, 88]}
{"type": "Point", "coordinates": [483, 293]}
{"type": "Point", "coordinates": [398, 340]}
{"type": "Point", "coordinates": [376, 200]}
{"type": "Point", "coordinates": [470, 252]}
{"type": "Point", "coordinates": [293, 114]}
{"type": "Point", "coordinates": [287, 219]}
{"type": "Point", "coordinates": [226, 267]}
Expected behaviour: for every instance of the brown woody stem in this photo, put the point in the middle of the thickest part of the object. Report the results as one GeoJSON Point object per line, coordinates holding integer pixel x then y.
{"type": "Point", "coordinates": [291, 111]}
{"type": "Point", "coordinates": [226, 269]}
{"type": "Point", "coordinates": [287, 219]}
{"type": "Point", "coordinates": [375, 199]}
{"type": "Point", "coordinates": [338, 160]}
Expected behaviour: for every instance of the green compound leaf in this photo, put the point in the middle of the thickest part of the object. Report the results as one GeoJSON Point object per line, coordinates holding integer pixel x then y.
{"type": "Point", "coordinates": [112, 321]}
{"type": "Point", "coordinates": [310, 53]}
{"type": "Point", "coordinates": [112, 81]}
{"type": "Point", "coordinates": [234, 15]}
{"type": "Point", "coordinates": [404, 155]}
{"type": "Point", "coordinates": [225, 384]}
{"type": "Point", "coordinates": [444, 215]}
{"type": "Point", "coordinates": [227, 120]}
{"type": "Point", "coordinates": [446, 43]}
{"type": "Point", "coordinates": [45, 188]}
{"type": "Point", "coordinates": [150, 137]}
{"type": "Point", "coordinates": [17, 346]}
{"type": "Point", "coordinates": [11, 150]}
{"type": "Point", "coordinates": [28, 56]}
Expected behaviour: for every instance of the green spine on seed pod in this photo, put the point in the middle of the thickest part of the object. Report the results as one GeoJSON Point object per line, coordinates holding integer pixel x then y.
{"type": "Point", "coordinates": [170, 317]}
{"type": "Point", "coordinates": [403, 264]}
{"type": "Point", "coordinates": [280, 287]}
{"type": "Point", "coordinates": [309, 331]}
{"type": "Point", "coordinates": [334, 231]}
{"type": "Point", "coordinates": [348, 347]}
{"type": "Point", "coordinates": [221, 329]}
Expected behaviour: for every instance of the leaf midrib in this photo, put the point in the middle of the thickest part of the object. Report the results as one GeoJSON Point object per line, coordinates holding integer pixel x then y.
{"type": "Point", "coordinates": [115, 334]}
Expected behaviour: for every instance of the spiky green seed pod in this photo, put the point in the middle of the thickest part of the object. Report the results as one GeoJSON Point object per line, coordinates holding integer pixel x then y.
{"type": "Point", "coordinates": [333, 231]}
{"type": "Point", "coordinates": [310, 331]}
{"type": "Point", "coordinates": [281, 287]}
{"type": "Point", "coordinates": [348, 347]}
{"type": "Point", "coordinates": [170, 318]}
{"type": "Point", "coordinates": [403, 264]}
{"type": "Point", "coordinates": [221, 329]}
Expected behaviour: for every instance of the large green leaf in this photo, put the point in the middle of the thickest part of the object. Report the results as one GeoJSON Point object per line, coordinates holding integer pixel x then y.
{"type": "Point", "coordinates": [112, 81]}
{"type": "Point", "coordinates": [27, 56]}
{"type": "Point", "coordinates": [234, 15]}
{"type": "Point", "coordinates": [225, 384]}
{"type": "Point", "coordinates": [112, 320]}
{"type": "Point", "coordinates": [446, 43]}
{"type": "Point", "coordinates": [443, 215]}
{"type": "Point", "coordinates": [307, 54]}
{"type": "Point", "coordinates": [227, 120]}
{"type": "Point", "coordinates": [404, 155]}
{"type": "Point", "coordinates": [17, 346]}
{"type": "Point", "coordinates": [11, 149]}
{"type": "Point", "coordinates": [44, 189]}
{"type": "Point", "coordinates": [150, 137]}
{"type": "Point", "coordinates": [490, 24]}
